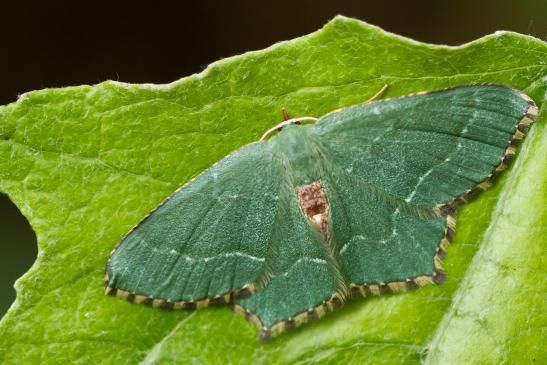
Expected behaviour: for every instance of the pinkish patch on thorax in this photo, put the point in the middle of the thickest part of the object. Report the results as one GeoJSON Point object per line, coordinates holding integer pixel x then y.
{"type": "Point", "coordinates": [313, 201]}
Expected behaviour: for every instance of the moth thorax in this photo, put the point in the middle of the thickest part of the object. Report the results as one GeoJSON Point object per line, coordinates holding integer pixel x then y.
{"type": "Point", "coordinates": [313, 200]}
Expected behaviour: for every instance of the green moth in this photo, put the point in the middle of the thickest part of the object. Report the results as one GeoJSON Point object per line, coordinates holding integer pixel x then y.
{"type": "Point", "coordinates": [360, 202]}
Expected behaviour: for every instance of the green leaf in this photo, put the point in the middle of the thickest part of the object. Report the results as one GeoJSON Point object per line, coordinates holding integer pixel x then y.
{"type": "Point", "coordinates": [85, 164]}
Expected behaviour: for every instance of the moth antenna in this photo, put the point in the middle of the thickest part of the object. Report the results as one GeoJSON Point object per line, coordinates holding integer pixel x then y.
{"type": "Point", "coordinates": [378, 94]}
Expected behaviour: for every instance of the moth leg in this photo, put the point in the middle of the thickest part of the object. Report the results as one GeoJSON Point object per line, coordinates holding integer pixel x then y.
{"type": "Point", "coordinates": [285, 114]}
{"type": "Point", "coordinates": [286, 117]}
{"type": "Point", "coordinates": [378, 94]}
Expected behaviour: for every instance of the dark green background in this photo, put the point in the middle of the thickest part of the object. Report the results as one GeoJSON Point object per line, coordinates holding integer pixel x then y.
{"type": "Point", "coordinates": [62, 43]}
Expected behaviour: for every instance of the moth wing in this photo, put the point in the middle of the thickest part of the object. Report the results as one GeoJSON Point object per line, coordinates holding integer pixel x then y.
{"type": "Point", "coordinates": [304, 278]}
{"type": "Point", "coordinates": [395, 165]}
{"type": "Point", "coordinates": [431, 149]}
{"type": "Point", "coordinates": [381, 244]}
{"type": "Point", "coordinates": [208, 241]}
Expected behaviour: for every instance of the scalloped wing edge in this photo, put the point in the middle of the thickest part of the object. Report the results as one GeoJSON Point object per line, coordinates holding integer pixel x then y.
{"type": "Point", "coordinates": [133, 297]}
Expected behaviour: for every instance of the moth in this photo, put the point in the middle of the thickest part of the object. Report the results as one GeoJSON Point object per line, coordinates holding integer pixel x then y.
{"type": "Point", "coordinates": [360, 202]}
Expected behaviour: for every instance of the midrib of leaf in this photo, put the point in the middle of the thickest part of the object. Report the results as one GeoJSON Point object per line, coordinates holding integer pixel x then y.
{"type": "Point", "coordinates": [464, 326]}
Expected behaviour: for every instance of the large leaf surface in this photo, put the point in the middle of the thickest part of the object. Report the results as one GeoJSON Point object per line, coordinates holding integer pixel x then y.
{"type": "Point", "coordinates": [86, 163]}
